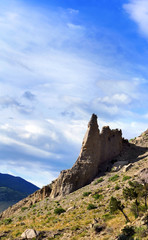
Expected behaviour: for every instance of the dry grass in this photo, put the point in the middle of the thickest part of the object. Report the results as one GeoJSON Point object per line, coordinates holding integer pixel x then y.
{"type": "Point", "coordinates": [78, 220]}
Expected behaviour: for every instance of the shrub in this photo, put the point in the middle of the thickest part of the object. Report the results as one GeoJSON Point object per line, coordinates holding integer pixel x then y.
{"type": "Point", "coordinates": [23, 209]}
{"type": "Point", "coordinates": [86, 194]}
{"type": "Point", "coordinates": [128, 231]}
{"type": "Point", "coordinates": [117, 187]}
{"type": "Point", "coordinates": [7, 221]}
{"type": "Point", "coordinates": [114, 178]}
{"type": "Point", "coordinates": [99, 181]}
{"type": "Point", "coordinates": [126, 178]}
{"type": "Point", "coordinates": [59, 211]}
{"type": "Point", "coordinates": [33, 206]}
{"type": "Point", "coordinates": [97, 196]}
{"type": "Point", "coordinates": [98, 228]}
{"type": "Point", "coordinates": [91, 206]}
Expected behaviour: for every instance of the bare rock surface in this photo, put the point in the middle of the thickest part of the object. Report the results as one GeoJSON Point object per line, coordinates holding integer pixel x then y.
{"type": "Point", "coordinates": [98, 149]}
{"type": "Point", "coordinates": [29, 234]}
{"type": "Point", "coordinates": [142, 140]}
{"type": "Point", "coordinates": [143, 176]}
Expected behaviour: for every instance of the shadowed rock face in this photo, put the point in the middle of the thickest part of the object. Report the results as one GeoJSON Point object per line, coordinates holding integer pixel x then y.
{"type": "Point", "coordinates": [98, 149]}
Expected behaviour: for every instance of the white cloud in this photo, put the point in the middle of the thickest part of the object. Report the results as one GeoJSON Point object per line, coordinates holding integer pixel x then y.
{"type": "Point", "coordinates": [27, 148]}
{"type": "Point", "coordinates": [73, 11]}
{"type": "Point", "coordinates": [74, 26]}
{"type": "Point", "coordinates": [117, 99]}
{"type": "Point", "coordinates": [49, 70]}
{"type": "Point", "coordinates": [37, 173]}
{"type": "Point", "coordinates": [138, 11]}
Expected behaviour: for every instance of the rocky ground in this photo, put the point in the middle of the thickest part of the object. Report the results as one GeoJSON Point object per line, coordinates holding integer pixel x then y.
{"type": "Point", "coordinates": [85, 213]}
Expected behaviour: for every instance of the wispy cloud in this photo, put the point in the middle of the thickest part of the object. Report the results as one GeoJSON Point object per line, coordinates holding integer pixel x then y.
{"type": "Point", "coordinates": [138, 12]}
{"type": "Point", "coordinates": [53, 76]}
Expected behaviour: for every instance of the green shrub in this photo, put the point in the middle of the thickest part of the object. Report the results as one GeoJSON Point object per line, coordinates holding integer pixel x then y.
{"type": "Point", "coordinates": [98, 181]}
{"type": "Point", "coordinates": [114, 178]}
{"type": "Point", "coordinates": [59, 211]}
{"type": "Point", "coordinates": [126, 178]}
{"type": "Point", "coordinates": [33, 206]}
{"type": "Point", "coordinates": [96, 196]}
{"type": "Point", "coordinates": [23, 209]}
{"type": "Point", "coordinates": [117, 187]}
{"type": "Point", "coordinates": [7, 221]}
{"type": "Point", "coordinates": [86, 194]}
{"type": "Point", "coordinates": [91, 206]}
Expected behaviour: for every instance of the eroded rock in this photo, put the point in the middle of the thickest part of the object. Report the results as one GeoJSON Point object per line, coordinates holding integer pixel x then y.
{"type": "Point", "coordinates": [98, 149]}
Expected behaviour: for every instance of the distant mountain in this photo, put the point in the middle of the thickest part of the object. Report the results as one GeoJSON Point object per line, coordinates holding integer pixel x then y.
{"type": "Point", "coordinates": [13, 189]}
{"type": "Point", "coordinates": [17, 184]}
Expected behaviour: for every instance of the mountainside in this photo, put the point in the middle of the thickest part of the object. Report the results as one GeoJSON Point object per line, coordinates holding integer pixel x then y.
{"type": "Point", "coordinates": [17, 184]}
{"type": "Point", "coordinates": [112, 206]}
{"type": "Point", "coordinates": [13, 189]}
{"type": "Point", "coordinates": [9, 197]}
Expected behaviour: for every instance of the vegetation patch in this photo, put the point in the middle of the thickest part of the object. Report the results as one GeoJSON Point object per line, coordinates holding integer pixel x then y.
{"type": "Point", "coordinates": [114, 178]}
{"type": "Point", "coordinates": [91, 206]}
{"type": "Point", "coordinates": [125, 178]}
{"type": "Point", "coordinates": [7, 221]}
{"type": "Point", "coordinates": [58, 211]}
{"type": "Point", "coordinates": [23, 209]}
{"type": "Point", "coordinates": [97, 196]}
{"type": "Point", "coordinates": [86, 194]}
{"type": "Point", "coordinates": [98, 181]}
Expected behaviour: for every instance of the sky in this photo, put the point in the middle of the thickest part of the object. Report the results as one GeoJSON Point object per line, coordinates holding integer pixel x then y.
{"type": "Point", "coordinates": [61, 61]}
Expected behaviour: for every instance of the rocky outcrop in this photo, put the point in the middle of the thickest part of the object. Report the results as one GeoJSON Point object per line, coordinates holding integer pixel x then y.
{"type": "Point", "coordinates": [98, 149]}
{"type": "Point", "coordinates": [142, 140]}
{"type": "Point", "coordinates": [143, 176]}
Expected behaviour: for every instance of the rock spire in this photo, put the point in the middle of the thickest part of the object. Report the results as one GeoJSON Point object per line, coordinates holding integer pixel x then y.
{"type": "Point", "coordinates": [98, 149]}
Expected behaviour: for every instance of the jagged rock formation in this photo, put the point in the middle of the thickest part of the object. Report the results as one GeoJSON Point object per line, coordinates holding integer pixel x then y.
{"type": "Point", "coordinates": [98, 149]}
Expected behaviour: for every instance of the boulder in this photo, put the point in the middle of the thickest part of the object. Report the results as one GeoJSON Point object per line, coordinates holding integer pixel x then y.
{"type": "Point", "coordinates": [29, 234]}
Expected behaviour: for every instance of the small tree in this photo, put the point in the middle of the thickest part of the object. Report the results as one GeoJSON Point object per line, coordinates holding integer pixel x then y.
{"type": "Point", "coordinates": [145, 194]}
{"type": "Point", "coordinates": [117, 205]}
{"type": "Point", "coordinates": [144, 180]}
{"type": "Point", "coordinates": [133, 192]}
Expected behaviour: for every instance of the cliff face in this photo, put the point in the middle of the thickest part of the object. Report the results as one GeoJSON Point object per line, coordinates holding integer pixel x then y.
{"type": "Point", "coordinates": [98, 149]}
{"type": "Point", "coordinates": [96, 152]}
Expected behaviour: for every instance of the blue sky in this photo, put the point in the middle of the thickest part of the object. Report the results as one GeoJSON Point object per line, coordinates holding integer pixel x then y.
{"type": "Point", "coordinates": [61, 61]}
